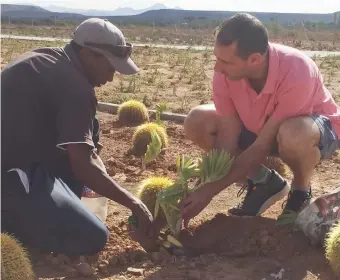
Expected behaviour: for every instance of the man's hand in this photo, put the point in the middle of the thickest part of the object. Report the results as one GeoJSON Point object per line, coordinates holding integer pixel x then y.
{"type": "Point", "coordinates": [144, 218]}
{"type": "Point", "coordinates": [195, 202]}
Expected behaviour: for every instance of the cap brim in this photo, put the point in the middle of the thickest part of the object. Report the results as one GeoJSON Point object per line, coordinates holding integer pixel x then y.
{"type": "Point", "coordinates": [123, 66]}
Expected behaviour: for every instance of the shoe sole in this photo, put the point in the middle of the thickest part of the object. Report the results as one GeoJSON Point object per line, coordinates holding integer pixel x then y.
{"type": "Point", "coordinates": [268, 203]}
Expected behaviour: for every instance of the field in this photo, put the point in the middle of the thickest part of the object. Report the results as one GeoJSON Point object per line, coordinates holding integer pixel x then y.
{"type": "Point", "coordinates": [304, 37]}
{"type": "Point", "coordinates": [233, 249]}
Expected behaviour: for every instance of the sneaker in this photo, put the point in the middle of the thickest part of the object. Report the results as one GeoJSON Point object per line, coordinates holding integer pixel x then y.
{"type": "Point", "coordinates": [296, 202]}
{"type": "Point", "coordinates": [260, 197]}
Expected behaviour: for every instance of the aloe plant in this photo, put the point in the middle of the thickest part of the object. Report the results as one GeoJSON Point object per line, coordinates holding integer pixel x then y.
{"type": "Point", "coordinates": [209, 168]}
{"type": "Point", "coordinates": [154, 148]}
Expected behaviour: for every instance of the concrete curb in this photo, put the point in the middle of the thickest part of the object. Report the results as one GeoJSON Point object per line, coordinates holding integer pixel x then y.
{"type": "Point", "coordinates": [113, 108]}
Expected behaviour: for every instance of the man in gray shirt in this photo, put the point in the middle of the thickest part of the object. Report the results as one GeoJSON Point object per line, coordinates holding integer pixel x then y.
{"type": "Point", "coordinates": [50, 141]}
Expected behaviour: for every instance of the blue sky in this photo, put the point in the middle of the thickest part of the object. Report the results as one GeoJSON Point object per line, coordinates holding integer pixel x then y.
{"type": "Point", "coordinates": [294, 6]}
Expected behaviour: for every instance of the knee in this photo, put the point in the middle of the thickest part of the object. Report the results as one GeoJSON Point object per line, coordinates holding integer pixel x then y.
{"type": "Point", "coordinates": [198, 120]}
{"type": "Point", "coordinates": [93, 239]}
{"type": "Point", "coordinates": [297, 133]}
{"type": "Point", "coordinates": [99, 239]}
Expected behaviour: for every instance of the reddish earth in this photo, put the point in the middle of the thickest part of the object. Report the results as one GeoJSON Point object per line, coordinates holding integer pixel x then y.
{"type": "Point", "coordinates": [231, 248]}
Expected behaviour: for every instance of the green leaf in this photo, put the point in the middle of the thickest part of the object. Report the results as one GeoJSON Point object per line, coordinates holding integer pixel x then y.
{"type": "Point", "coordinates": [154, 148]}
{"type": "Point", "coordinates": [214, 166]}
{"type": "Point", "coordinates": [161, 107]}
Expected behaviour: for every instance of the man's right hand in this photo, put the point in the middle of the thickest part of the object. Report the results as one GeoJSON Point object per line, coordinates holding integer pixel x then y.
{"type": "Point", "coordinates": [146, 230]}
{"type": "Point", "coordinates": [144, 218]}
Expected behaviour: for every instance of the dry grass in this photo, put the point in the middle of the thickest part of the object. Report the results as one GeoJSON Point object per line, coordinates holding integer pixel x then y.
{"type": "Point", "coordinates": [310, 39]}
{"type": "Point", "coordinates": [179, 78]}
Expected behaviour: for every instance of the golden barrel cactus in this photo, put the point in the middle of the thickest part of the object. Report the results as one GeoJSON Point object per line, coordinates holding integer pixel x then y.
{"type": "Point", "coordinates": [149, 189]}
{"type": "Point", "coordinates": [132, 113]}
{"type": "Point", "coordinates": [332, 247]}
{"type": "Point", "coordinates": [15, 263]}
{"type": "Point", "coordinates": [142, 137]}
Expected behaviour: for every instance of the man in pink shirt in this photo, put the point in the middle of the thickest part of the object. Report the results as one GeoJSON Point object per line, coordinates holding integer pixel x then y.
{"type": "Point", "coordinates": [269, 100]}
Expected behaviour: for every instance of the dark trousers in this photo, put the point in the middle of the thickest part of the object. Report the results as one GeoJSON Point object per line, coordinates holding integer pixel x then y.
{"type": "Point", "coordinates": [49, 214]}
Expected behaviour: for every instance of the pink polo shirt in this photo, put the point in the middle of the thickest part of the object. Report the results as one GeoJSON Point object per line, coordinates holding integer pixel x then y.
{"type": "Point", "coordinates": [294, 87]}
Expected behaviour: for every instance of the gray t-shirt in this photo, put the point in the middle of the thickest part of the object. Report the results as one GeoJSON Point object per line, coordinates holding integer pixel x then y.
{"type": "Point", "coordinates": [46, 103]}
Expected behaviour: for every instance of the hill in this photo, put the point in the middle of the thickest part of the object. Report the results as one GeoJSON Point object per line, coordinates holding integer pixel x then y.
{"type": "Point", "coordinates": [23, 12]}
{"type": "Point", "coordinates": [160, 17]}
{"type": "Point", "coordinates": [189, 16]}
{"type": "Point", "coordinates": [122, 11]}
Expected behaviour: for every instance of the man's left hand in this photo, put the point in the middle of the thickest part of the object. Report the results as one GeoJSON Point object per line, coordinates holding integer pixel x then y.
{"type": "Point", "coordinates": [195, 202]}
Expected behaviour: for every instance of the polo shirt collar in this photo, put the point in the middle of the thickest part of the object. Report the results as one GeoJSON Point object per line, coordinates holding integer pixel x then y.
{"type": "Point", "coordinates": [74, 58]}
{"type": "Point", "coordinates": [273, 71]}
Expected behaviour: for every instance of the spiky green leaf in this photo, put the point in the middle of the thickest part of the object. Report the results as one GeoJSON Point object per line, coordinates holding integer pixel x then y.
{"type": "Point", "coordinates": [154, 148]}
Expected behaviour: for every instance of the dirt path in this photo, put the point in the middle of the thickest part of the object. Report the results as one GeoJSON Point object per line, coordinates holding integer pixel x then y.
{"type": "Point", "coordinates": [234, 249]}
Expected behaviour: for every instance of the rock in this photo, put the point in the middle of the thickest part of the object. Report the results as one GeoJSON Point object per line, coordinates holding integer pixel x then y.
{"type": "Point", "coordinates": [120, 177]}
{"type": "Point", "coordinates": [120, 165]}
{"type": "Point", "coordinates": [130, 169]}
{"type": "Point", "coordinates": [70, 271]}
{"type": "Point", "coordinates": [111, 162]}
{"type": "Point", "coordinates": [159, 170]}
{"type": "Point", "coordinates": [194, 274]}
{"type": "Point", "coordinates": [113, 260]}
{"type": "Point", "coordinates": [104, 262]}
{"type": "Point", "coordinates": [85, 269]}
{"type": "Point", "coordinates": [103, 268]}
{"type": "Point", "coordinates": [135, 271]}
{"type": "Point", "coordinates": [111, 171]}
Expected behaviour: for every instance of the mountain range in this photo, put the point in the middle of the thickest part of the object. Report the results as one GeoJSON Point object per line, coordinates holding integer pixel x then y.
{"type": "Point", "coordinates": [121, 11]}
{"type": "Point", "coordinates": [156, 14]}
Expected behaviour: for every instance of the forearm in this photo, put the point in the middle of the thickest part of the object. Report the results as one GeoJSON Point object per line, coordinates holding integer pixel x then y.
{"type": "Point", "coordinates": [94, 177]}
{"type": "Point", "coordinates": [245, 163]}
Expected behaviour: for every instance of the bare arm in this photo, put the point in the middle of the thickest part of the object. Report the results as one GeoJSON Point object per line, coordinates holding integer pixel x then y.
{"type": "Point", "coordinates": [86, 169]}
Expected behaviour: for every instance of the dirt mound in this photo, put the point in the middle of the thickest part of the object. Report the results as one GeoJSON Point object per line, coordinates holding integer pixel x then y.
{"type": "Point", "coordinates": [240, 237]}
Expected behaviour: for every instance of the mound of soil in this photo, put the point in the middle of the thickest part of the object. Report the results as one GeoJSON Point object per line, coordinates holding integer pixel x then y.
{"type": "Point", "coordinates": [235, 237]}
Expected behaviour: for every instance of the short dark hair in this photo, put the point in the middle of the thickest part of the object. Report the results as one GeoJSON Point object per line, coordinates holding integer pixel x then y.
{"type": "Point", "coordinates": [249, 33]}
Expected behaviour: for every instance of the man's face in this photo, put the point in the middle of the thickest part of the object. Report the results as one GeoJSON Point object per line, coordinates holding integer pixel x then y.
{"type": "Point", "coordinates": [98, 69]}
{"type": "Point", "coordinates": [229, 64]}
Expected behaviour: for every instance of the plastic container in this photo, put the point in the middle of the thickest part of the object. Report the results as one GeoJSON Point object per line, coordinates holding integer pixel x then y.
{"type": "Point", "coordinates": [96, 203]}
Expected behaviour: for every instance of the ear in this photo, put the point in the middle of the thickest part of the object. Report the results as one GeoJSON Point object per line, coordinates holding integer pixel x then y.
{"type": "Point", "coordinates": [255, 59]}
